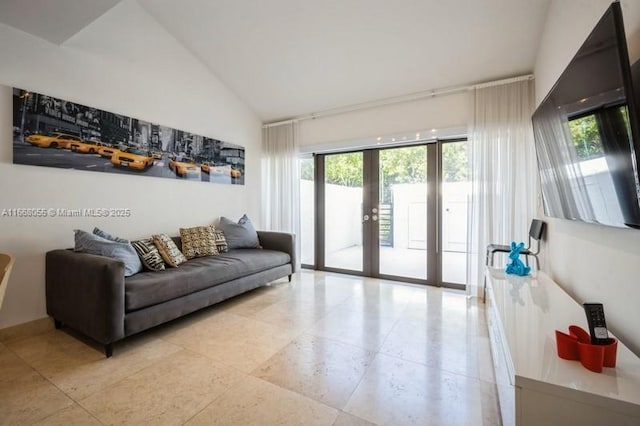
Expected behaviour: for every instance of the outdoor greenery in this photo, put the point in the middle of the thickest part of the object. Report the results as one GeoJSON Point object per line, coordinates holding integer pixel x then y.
{"type": "Point", "coordinates": [397, 165]}
{"type": "Point", "coordinates": [586, 139]}
{"type": "Point", "coordinates": [343, 169]}
{"type": "Point", "coordinates": [454, 162]}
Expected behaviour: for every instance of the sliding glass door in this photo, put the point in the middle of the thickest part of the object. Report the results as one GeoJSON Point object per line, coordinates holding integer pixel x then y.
{"type": "Point", "coordinates": [343, 211]}
{"type": "Point", "coordinates": [455, 192]}
{"type": "Point", "coordinates": [404, 211]}
{"type": "Point", "coordinates": [396, 213]}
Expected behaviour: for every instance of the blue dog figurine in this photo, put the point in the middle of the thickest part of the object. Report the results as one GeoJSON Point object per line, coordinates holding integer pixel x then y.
{"type": "Point", "coordinates": [515, 266]}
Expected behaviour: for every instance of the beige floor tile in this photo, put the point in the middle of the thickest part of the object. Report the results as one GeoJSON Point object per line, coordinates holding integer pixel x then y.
{"type": "Point", "coordinates": [26, 330]}
{"type": "Point", "coordinates": [346, 419]}
{"type": "Point", "coordinates": [249, 303]}
{"type": "Point", "coordinates": [437, 346]}
{"type": "Point", "coordinates": [195, 321]}
{"type": "Point", "coordinates": [365, 329]}
{"type": "Point", "coordinates": [29, 397]}
{"type": "Point", "coordinates": [11, 366]}
{"type": "Point", "coordinates": [168, 392]}
{"type": "Point", "coordinates": [243, 356]}
{"type": "Point", "coordinates": [325, 370]}
{"type": "Point", "coordinates": [55, 349]}
{"type": "Point", "coordinates": [74, 415]}
{"type": "Point", "coordinates": [79, 369]}
{"type": "Point", "coordinates": [237, 341]}
{"type": "Point", "coordinates": [490, 404]}
{"type": "Point", "coordinates": [256, 402]}
{"type": "Point", "coordinates": [451, 305]}
{"type": "Point", "coordinates": [394, 391]}
{"type": "Point", "coordinates": [374, 306]}
{"type": "Point", "coordinates": [312, 345]}
{"type": "Point", "coordinates": [328, 293]}
{"type": "Point", "coordinates": [295, 315]}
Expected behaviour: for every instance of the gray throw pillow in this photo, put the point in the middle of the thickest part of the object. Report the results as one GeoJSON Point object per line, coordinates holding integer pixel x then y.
{"type": "Point", "coordinates": [100, 233]}
{"type": "Point", "coordinates": [239, 235]}
{"type": "Point", "coordinates": [94, 244]}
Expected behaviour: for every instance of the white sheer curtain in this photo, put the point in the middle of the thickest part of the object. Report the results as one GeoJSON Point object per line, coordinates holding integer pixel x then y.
{"type": "Point", "coordinates": [502, 163]}
{"type": "Point", "coordinates": [280, 180]}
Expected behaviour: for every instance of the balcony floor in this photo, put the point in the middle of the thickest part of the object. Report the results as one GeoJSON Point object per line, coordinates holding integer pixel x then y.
{"type": "Point", "coordinates": [411, 263]}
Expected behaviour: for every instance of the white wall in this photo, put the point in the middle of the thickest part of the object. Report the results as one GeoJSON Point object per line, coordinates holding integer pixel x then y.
{"type": "Point", "coordinates": [443, 112]}
{"type": "Point", "coordinates": [124, 63]}
{"type": "Point", "coordinates": [593, 263]}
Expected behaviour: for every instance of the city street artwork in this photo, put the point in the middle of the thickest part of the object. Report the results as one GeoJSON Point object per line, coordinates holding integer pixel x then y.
{"type": "Point", "coordinates": [52, 132]}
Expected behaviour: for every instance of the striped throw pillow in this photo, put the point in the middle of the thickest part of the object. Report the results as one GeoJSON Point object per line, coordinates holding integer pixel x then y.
{"type": "Point", "coordinates": [220, 240]}
{"type": "Point", "coordinates": [149, 254]}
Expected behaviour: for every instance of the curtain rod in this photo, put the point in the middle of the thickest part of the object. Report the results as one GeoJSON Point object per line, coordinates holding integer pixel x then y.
{"type": "Point", "coordinates": [398, 99]}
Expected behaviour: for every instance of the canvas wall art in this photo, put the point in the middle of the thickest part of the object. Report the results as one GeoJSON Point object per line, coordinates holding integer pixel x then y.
{"type": "Point", "coordinates": [52, 132]}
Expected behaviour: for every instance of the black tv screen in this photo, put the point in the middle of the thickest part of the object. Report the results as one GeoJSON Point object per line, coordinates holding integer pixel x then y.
{"type": "Point", "coordinates": [586, 133]}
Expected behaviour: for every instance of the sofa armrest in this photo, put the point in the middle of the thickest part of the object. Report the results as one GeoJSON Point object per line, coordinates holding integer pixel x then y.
{"type": "Point", "coordinates": [281, 241]}
{"type": "Point", "coordinates": [86, 292]}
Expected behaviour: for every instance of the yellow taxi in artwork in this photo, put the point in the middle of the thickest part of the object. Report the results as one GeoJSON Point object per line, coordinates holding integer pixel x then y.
{"type": "Point", "coordinates": [85, 147]}
{"type": "Point", "coordinates": [53, 140]}
{"type": "Point", "coordinates": [107, 151]}
{"type": "Point", "coordinates": [205, 167]}
{"type": "Point", "coordinates": [132, 158]}
{"type": "Point", "coordinates": [182, 166]}
{"type": "Point", "coordinates": [157, 155]}
{"type": "Point", "coordinates": [235, 173]}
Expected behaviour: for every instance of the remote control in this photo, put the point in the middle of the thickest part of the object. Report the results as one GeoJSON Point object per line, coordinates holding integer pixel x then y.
{"type": "Point", "coordinates": [597, 324]}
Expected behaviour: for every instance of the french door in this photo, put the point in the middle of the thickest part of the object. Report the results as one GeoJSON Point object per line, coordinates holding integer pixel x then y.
{"type": "Point", "coordinates": [396, 213]}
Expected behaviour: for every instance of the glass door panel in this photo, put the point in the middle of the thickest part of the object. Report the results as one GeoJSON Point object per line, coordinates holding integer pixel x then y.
{"type": "Point", "coordinates": [307, 212]}
{"type": "Point", "coordinates": [403, 212]}
{"type": "Point", "coordinates": [455, 191]}
{"type": "Point", "coordinates": [343, 216]}
{"type": "Point", "coordinates": [397, 213]}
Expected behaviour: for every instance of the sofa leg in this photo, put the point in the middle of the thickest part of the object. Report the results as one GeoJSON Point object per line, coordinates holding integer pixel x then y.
{"type": "Point", "coordinates": [57, 324]}
{"type": "Point", "coordinates": [289, 278]}
{"type": "Point", "coordinates": [108, 350]}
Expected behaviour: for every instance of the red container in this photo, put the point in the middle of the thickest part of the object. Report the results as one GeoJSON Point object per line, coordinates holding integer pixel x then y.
{"type": "Point", "coordinates": [577, 346]}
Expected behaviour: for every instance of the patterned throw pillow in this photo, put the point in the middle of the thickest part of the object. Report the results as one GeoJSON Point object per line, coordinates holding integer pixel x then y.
{"type": "Point", "coordinates": [149, 254]}
{"type": "Point", "coordinates": [168, 250]}
{"type": "Point", "coordinates": [221, 241]}
{"type": "Point", "coordinates": [198, 241]}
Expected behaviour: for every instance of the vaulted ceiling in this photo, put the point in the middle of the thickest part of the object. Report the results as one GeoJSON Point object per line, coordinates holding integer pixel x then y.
{"type": "Point", "coordinates": [285, 58]}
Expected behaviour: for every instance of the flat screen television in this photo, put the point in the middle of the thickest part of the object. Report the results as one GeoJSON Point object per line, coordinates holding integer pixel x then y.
{"type": "Point", "coordinates": [587, 134]}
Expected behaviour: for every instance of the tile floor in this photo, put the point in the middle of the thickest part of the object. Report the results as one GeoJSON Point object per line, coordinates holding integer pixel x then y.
{"type": "Point", "coordinates": [326, 349]}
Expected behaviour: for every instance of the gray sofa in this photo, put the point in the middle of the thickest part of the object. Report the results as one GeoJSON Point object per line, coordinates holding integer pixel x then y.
{"type": "Point", "coordinates": [90, 293]}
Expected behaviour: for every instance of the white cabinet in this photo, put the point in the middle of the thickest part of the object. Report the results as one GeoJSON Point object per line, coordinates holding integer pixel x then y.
{"type": "Point", "coordinates": [535, 387]}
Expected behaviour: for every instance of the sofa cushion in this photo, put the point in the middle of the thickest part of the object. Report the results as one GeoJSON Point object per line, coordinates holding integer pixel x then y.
{"type": "Point", "coordinates": [150, 288]}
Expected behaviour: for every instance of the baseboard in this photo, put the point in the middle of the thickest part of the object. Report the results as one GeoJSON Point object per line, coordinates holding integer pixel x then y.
{"type": "Point", "coordinates": [27, 329]}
